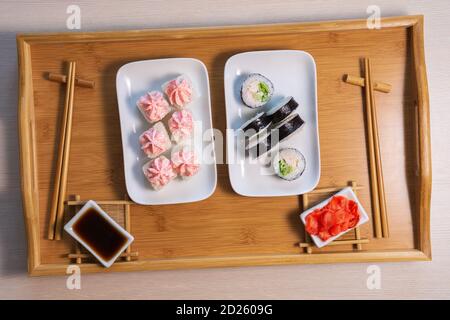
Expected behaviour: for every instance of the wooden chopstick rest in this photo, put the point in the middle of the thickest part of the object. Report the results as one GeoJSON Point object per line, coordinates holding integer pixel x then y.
{"type": "Point", "coordinates": [332, 189]}
{"type": "Point", "coordinates": [87, 255]}
{"type": "Point", "coordinates": [335, 243]}
{"type": "Point", "coordinates": [62, 78]}
{"type": "Point", "coordinates": [358, 81]}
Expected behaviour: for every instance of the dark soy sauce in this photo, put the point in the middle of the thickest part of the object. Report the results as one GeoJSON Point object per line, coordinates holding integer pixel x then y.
{"type": "Point", "coordinates": [99, 234]}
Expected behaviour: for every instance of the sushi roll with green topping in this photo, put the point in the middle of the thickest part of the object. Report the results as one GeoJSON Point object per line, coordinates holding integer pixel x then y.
{"type": "Point", "coordinates": [256, 90]}
{"type": "Point", "coordinates": [289, 164]}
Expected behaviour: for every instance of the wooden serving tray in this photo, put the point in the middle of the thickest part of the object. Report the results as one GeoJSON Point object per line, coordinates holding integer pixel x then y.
{"type": "Point", "coordinates": [227, 229]}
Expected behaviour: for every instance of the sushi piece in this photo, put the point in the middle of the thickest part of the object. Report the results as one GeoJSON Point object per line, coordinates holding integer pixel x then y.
{"type": "Point", "coordinates": [179, 91]}
{"type": "Point", "coordinates": [159, 172]}
{"type": "Point", "coordinates": [181, 125]}
{"type": "Point", "coordinates": [185, 162]}
{"type": "Point", "coordinates": [153, 106]}
{"type": "Point", "coordinates": [155, 140]}
{"type": "Point", "coordinates": [289, 164]}
{"type": "Point", "coordinates": [256, 90]}
{"type": "Point", "coordinates": [256, 124]}
{"type": "Point", "coordinates": [282, 110]}
{"type": "Point", "coordinates": [280, 132]}
{"type": "Point", "coordinates": [252, 128]}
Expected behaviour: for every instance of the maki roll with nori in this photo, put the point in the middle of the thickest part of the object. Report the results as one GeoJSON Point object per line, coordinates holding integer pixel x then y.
{"type": "Point", "coordinates": [253, 127]}
{"type": "Point", "coordinates": [256, 90]}
{"type": "Point", "coordinates": [257, 123]}
{"type": "Point", "coordinates": [282, 110]}
{"type": "Point", "coordinates": [289, 164]}
{"type": "Point", "coordinates": [280, 132]}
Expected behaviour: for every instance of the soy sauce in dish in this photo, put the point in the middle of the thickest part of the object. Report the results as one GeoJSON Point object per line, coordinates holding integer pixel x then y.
{"type": "Point", "coordinates": [99, 234]}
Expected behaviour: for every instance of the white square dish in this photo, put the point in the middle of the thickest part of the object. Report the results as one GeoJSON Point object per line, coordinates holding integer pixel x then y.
{"type": "Point", "coordinates": [92, 204]}
{"type": "Point", "coordinates": [349, 194]}
{"type": "Point", "coordinates": [293, 73]}
{"type": "Point", "coordinates": [135, 79]}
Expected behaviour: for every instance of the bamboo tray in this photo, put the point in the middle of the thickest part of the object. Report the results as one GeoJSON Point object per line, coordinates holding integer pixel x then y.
{"type": "Point", "coordinates": [227, 229]}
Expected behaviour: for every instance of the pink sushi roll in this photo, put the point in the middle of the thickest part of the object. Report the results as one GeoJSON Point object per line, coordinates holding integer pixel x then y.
{"type": "Point", "coordinates": [181, 125]}
{"type": "Point", "coordinates": [179, 91]}
{"type": "Point", "coordinates": [159, 172]}
{"type": "Point", "coordinates": [185, 163]}
{"type": "Point", "coordinates": [155, 140]}
{"type": "Point", "coordinates": [153, 106]}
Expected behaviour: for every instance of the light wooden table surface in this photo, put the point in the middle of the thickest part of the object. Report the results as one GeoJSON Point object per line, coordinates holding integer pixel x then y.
{"type": "Point", "coordinates": [398, 280]}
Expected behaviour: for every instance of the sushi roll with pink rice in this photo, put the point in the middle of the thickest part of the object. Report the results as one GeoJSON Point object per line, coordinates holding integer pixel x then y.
{"type": "Point", "coordinates": [153, 106]}
{"type": "Point", "coordinates": [179, 91]}
{"type": "Point", "coordinates": [155, 140]}
{"type": "Point", "coordinates": [159, 172]}
{"type": "Point", "coordinates": [185, 162]}
{"type": "Point", "coordinates": [181, 125]}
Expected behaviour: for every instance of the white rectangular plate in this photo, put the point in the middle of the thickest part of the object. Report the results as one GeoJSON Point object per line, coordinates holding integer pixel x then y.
{"type": "Point", "coordinates": [293, 73]}
{"type": "Point", "coordinates": [135, 79]}
{"type": "Point", "coordinates": [349, 194]}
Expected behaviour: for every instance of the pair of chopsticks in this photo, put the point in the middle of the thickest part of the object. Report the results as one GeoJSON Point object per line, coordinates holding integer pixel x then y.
{"type": "Point", "coordinates": [59, 193]}
{"type": "Point", "coordinates": [376, 170]}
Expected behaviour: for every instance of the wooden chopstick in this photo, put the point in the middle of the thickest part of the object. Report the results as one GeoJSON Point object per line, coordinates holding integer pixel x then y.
{"type": "Point", "coordinates": [59, 165]}
{"type": "Point", "coordinates": [65, 168]}
{"type": "Point", "coordinates": [372, 160]}
{"type": "Point", "coordinates": [378, 165]}
{"type": "Point", "coordinates": [128, 228]}
{"type": "Point", "coordinates": [57, 208]}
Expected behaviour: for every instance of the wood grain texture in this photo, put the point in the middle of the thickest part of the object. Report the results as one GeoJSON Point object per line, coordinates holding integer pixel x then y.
{"type": "Point", "coordinates": [28, 160]}
{"type": "Point", "coordinates": [228, 227]}
{"type": "Point", "coordinates": [399, 280]}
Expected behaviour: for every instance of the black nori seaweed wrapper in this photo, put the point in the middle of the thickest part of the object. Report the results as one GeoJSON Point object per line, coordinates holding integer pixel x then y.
{"type": "Point", "coordinates": [284, 131]}
{"type": "Point", "coordinates": [258, 124]}
{"type": "Point", "coordinates": [284, 111]}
